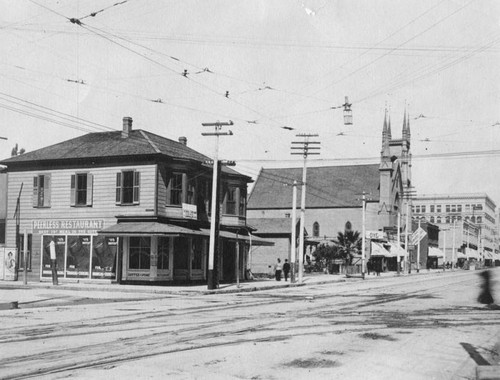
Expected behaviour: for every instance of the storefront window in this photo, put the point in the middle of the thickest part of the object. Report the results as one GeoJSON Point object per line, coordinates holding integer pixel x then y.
{"type": "Point", "coordinates": [139, 252]}
{"type": "Point", "coordinates": [60, 246]}
{"type": "Point", "coordinates": [197, 253]}
{"type": "Point", "coordinates": [78, 260]}
{"type": "Point", "coordinates": [104, 249]}
{"type": "Point", "coordinates": [163, 252]}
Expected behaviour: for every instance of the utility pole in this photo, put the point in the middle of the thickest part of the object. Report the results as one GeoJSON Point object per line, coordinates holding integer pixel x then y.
{"type": "Point", "coordinates": [212, 275]}
{"type": "Point", "coordinates": [363, 238]}
{"type": "Point", "coordinates": [408, 194]}
{"type": "Point", "coordinates": [304, 151]}
{"type": "Point", "coordinates": [418, 250]}
{"type": "Point", "coordinates": [398, 237]}
{"type": "Point", "coordinates": [293, 242]}
{"type": "Point", "coordinates": [453, 246]}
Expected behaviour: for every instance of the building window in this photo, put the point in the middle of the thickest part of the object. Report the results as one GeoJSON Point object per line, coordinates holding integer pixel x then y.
{"type": "Point", "coordinates": [139, 252]}
{"type": "Point", "coordinates": [448, 208]}
{"type": "Point", "coordinates": [438, 220]}
{"type": "Point", "coordinates": [459, 208]}
{"type": "Point", "coordinates": [478, 207]}
{"type": "Point", "coordinates": [163, 252]}
{"type": "Point", "coordinates": [432, 208]}
{"type": "Point", "coordinates": [176, 189]}
{"type": "Point", "coordinates": [453, 208]}
{"type": "Point", "coordinates": [447, 219]}
{"type": "Point", "coordinates": [432, 219]}
{"type": "Point", "coordinates": [479, 219]}
{"type": "Point", "coordinates": [41, 191]}
{"type": "Point", "coordinates": [81, 189]}
{"type": "Point", "coordinates": [243, 202]}
{"type": "Point", "coordinates": [3, 223]}
{"type": "Point", "coordinates": [197, 259]}
{"type": "Point", "coordinates": [438, 208]}
{"type": "Point", "coordinates": [316, 229]}
{"type": "Point", "coordinates": [190, 192]}
{"type": "Point", "coordinates": [423, 208]}
{"type": "Point", "coordinates": [204, 195]}
{"type": "Point", "coordinates": [231, 201]}
{"type": "Point", "coordinates": [127, 187]}
{"type": "Point", "coordinates": [417, 209]}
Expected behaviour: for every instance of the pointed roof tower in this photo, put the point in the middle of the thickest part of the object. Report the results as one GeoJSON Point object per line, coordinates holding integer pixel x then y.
{"type": "Point", "coordinates": [405, 128]}
{"type": "Point", "coordinates": [389, 133]}
{"type": "Point", "coordinates": [385, 137]}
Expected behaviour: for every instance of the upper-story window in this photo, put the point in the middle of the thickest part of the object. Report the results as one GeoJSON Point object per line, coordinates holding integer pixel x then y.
{"type": "Point", "coordinates": [176, 189]}
{"type": "Point", "coordinates": [448, 208]}
{"type": "Point", "coordinates": [479, 219]}
{"type": "Point", "coordinates": [438, 219]}
{"type": "Point", "coordinates": [231, 201]}
{"type": "Point", "coordinates": [478, 207]}
{"type": "Point", "coordinates": [190, 192]}
{"type": "Point", "coordinates": [438, 208]}
{"type": "Point", "coordinates": [432, 219]}
{"type": "Point", "coordinates": [127, 187]}
{"type": "Point", "coordinates": [423, 208]}
{"type": "Point", "coordinates": [417, 209]}
{"type": "Point", "coordinates": [459, 208]}
{"type": "Point", "coordinates": [41, 191]}
{"type": "Point", "coordinates": [432, 208]}
{"type": "Point", "coordinates": [81, 189]}
{"type": "Point", "coordinates": [316, 229]}
{"type": "Point", "coordinates": [453, 208]}
{"type": "Point", "coordinates": [243, 202]}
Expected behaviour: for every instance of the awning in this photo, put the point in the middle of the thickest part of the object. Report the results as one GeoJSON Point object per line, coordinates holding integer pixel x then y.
{"type": "Point", "coordinates": [471, 253]}
{"type": "Point", "coordinates": [251, 239]}
{"type": "Point", "coordinates": [378, 250]}
{"type": "Point", "coordinates": [435, 252]}
{"type": "Point", "coordinates": [396, 249]}
{"type": "Point", "coordinates": [166, 229]}
{"type": "Point", "coordinates": [151, 228]}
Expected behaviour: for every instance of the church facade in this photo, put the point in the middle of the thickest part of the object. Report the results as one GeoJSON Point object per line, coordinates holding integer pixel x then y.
{"type": "Point", "coordinates": [333, 197]}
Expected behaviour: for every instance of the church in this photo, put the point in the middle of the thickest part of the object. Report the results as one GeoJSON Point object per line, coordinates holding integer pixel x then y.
{"type": "Point", "coordinates": [333, 198]}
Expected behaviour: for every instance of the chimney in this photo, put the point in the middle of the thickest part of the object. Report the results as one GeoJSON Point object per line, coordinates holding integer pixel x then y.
{"type": "Point", "coordinates": [183, 140]}
{"type": "Point", "coordinates": [127, 126]}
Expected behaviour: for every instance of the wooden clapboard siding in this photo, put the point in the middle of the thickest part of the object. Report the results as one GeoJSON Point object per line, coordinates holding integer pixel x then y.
{"type": "Point", "coordinates": [103, 207]}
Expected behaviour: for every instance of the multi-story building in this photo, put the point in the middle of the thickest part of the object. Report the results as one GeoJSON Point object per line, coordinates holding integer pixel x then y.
{"type": "Point", "coordinates": [124, 206]}
{"type": "Point", "coordinates": [467, 222]}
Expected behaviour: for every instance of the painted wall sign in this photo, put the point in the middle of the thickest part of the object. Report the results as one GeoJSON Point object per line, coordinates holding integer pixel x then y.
{"type": "Point", "coordinates": [189, 211]}
{"type": "Point", "coordinates": [67, 226]}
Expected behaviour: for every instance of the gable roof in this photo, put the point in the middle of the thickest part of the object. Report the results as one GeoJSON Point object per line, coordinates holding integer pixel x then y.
{"type": "Point", "coordinates": [326, 186]}
{"type": "Point", "coordinates": [108, 145]}
{"type": "Point", "coordinates": [271, 225]}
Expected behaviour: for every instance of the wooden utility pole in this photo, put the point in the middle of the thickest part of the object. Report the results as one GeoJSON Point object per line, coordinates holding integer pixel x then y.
{"type": "Point", "coordinates": [305, 150]}
{"type": "Point", "coordinates": [212, 275]}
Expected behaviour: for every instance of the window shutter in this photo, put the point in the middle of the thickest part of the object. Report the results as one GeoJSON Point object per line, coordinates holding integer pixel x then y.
{"type": "Point", "coordinates": [35, 191]}
{"type": "Point", "coordinates": [118, 188]}
{"type": "Point", "coordinates": [137, 185]}
{"type": "Point", "coordinates": [46, 191]}
{"type": "Point", "coordinates": [72, 198]}
{"type": "Point", "coordinates": [90, 186]}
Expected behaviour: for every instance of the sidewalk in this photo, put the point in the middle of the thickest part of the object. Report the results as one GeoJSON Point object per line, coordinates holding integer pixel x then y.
{"type": "Point", "coordinates": [15, 291]}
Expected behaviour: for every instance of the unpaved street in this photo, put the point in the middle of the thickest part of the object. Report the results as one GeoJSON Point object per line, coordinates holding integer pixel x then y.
{"type": "Point", "coordinates": [426, 326]}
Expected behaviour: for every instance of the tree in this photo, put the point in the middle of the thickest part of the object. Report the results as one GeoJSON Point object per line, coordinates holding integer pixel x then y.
{"type": "Point", "coordinates": [16, 152]}
{"type": "Point", "coordinates": [324, 255]}
{"type": "Point", "coordinates": [349, 243]}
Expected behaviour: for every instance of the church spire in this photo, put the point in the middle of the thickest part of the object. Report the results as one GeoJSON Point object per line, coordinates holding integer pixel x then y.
{"type": "Point", "coordinates": [389, 133]}
{"type": "Point", "coordinates": [386, 135]}
{"type": "Point", "coordinates": [405, 128]}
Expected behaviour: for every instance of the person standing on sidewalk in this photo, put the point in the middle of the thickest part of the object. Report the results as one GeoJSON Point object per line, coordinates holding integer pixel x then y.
{"type": "Point", "coordinates": [286, 269]}
{"type": "Point", "coordinates": [277, 270]}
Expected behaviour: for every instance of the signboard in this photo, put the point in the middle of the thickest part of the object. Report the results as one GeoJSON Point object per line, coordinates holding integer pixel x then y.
{"type": "Point", "coordinates": [376, 235]}
{"type": "Point", "coordinates": [67, 226]}
{"type": "Point", "coordinates": [9, 262]}
{"type": "Point", "coordinates": [189, 211]}
{"type": "Point", "coordinates": [417, 236]}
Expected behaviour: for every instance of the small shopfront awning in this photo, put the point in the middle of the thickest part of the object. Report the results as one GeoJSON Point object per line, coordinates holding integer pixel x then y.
{"type": "Point", "coordinates": [166, 229]}
{"type": "Point", "coordinates": [378, 250]}
{"type": "Point", "coordinates": [435, 252]}
{"type": "Point", "coordinates": [471, 253]}
{"type": "Point", "coordinates": [395, 250]}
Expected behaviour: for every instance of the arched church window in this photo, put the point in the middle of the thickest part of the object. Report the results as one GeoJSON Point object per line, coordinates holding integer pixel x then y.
{"type": "Point", "coordinates": [316, 229]}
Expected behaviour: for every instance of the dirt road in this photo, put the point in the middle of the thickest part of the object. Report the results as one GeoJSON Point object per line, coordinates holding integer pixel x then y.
{"type": "Point", "coordinates": [420, 327]}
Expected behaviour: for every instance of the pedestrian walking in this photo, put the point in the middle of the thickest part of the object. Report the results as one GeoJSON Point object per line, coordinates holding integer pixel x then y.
{"type": "Point", "coordinates": [369, 266]}
{"type": "Point", "coordinates": [378, 267]}
{"type": "Point", "coordinates": [286, 269]}
{"type": "Point", "coordinates": [277, 270]}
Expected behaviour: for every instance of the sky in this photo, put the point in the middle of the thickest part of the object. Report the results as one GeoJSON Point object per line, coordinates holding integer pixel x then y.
{"type": "Point", "coordinates": [275, 68]}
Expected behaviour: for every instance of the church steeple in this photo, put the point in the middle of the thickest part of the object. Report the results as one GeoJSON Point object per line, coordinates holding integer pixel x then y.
{"type": "Point", "coordinates": [386, 136]}
{"type": "Point", "coordinates": [406, 126]}
{"type": "Point", "coordinates": [389, 133]}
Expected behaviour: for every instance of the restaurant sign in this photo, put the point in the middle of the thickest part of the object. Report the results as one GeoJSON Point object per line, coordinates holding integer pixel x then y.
{"type": "Point", "coordinates": [67, 226]}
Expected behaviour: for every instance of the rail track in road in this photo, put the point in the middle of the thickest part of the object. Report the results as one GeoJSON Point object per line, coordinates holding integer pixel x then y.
{"type": "Point", "coordinates": [235, 319]}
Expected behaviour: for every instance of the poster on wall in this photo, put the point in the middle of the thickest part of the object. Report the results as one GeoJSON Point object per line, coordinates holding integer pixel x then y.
{"type": "Point", "coordinates": [9, 263]}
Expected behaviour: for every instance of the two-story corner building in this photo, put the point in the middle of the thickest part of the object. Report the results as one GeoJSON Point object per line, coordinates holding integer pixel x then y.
{"type": "Point", "coordinates": [333, 198]}
{"type": "Point", "coordinates": [124, 206]}
{"type": "Point", "coordinates": [468, 224]}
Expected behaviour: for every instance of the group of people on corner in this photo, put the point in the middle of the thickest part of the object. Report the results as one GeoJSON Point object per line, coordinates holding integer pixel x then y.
{"type": "Point", "coordinates": [374, 267]}
{"type": "Point", "coordinates": [281, 268]}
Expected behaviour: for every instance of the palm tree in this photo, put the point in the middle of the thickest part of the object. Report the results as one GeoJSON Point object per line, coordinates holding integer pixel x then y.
{"type": "Point", "coordinates": [349, 244]}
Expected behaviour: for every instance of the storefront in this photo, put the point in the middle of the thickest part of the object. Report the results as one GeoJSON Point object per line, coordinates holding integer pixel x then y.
{"type": "Point", "coordinates": [80, 252]}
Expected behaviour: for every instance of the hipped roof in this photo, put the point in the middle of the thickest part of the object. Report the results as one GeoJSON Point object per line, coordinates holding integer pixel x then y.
{"type": "Point", "coordinates": [327, 186]}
